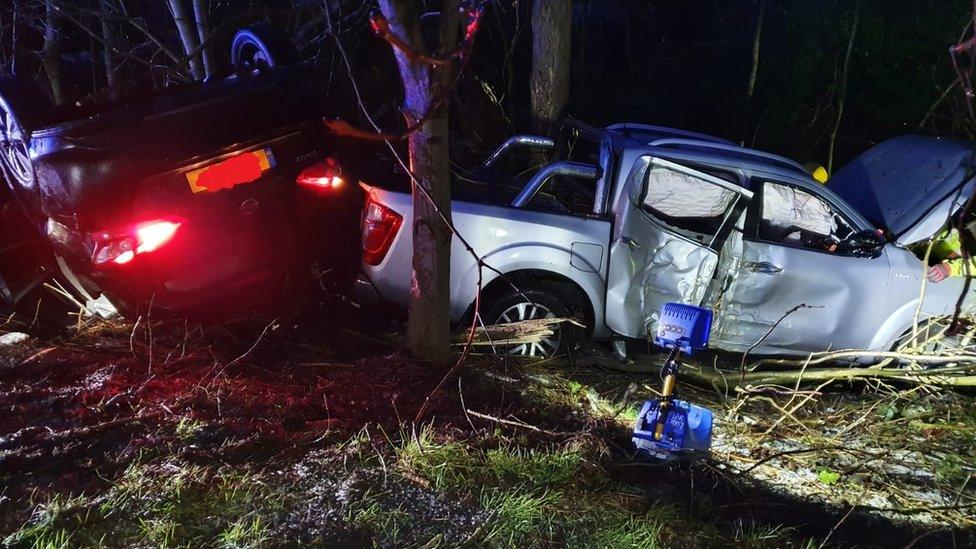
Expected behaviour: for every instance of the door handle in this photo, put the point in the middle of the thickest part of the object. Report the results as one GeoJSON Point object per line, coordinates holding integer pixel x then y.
{"type": "Point", "coordinates": [764, 267]}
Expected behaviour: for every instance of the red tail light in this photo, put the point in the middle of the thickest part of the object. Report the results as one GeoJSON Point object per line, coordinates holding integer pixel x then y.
{"type": "Point", "coordinates": [122, 247]}
{"type": "Point", "coordinates": [380, 226]}
{"type": "Point", "coordinates": [322, 175]}
{"type": "Point", "coordinates": [153, 236]}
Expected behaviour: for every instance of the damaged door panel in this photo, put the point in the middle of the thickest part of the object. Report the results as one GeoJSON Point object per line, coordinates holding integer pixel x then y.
{"type": "Point", "coordinates": [673, 227]}
{"type": "Point", "coordinates": [792, 258]}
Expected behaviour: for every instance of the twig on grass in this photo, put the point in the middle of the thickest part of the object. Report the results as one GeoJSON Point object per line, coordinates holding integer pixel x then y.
{"type": "Point", "coordinates": [519, 424]}
{"type": "Point", "coordinates": [464, 407]}
{"type": "Point", "coordinates": [269, 326]}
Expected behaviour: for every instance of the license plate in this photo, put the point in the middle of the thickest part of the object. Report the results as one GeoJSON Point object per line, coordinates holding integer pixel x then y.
{"type": "Point", "coordinates": [230, 172]}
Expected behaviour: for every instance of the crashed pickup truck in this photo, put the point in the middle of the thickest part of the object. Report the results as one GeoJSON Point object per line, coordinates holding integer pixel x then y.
{"type": "Point", "coordinates": [624, 219]}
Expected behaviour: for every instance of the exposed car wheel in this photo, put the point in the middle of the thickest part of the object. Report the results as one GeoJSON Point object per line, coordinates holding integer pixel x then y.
{"type": "Point", "coordinates": [22, 106]}
{"type": "Point", "coordinates": [261, 47]}
{"type": "Point", "coordinates": [533, 303]}
{"type": "Point", "coordinates": [931, 339]}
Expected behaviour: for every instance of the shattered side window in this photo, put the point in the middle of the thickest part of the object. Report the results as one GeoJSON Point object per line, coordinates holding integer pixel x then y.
{"type": "Point", "coordinates": [686, 202]}
{"type": "Point", "coordinates": [795, 217]}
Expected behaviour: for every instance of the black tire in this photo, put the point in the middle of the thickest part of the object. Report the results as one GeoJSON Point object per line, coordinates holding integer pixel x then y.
{"type": "Point", "coordinates": [536, 301]}
{"type": "Point", "coordinates": [23, 107]}
{"type": "Point", "coordinates": [261, 47]}
{"type": "Point", "coordinates": [932, 340]}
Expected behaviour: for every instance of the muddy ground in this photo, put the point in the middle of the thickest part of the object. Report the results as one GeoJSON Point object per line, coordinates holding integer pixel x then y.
{"type": "Point", "coordinates": [259, 433]}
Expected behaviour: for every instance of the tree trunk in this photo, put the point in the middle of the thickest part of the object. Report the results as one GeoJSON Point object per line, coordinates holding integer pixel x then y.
{"type": "Point", "coordinates": [754, 71]}
{"type": "Point", "coordinates": [51, 54]}
{"type": "Point", "coordinates": [14, 38]}
{"type": "Point", "coordinates": [428, 326]}
{"type": "Point", "coordinates": [108, 59]}
{"type": "Point", "coordinates": [202, 14]}
{"type": "Point", "coordinates": [552, 22]}
{"type": "Point", "coordinates": [842, 97]}
{"type": "Point", "coordinates": [188, 36]}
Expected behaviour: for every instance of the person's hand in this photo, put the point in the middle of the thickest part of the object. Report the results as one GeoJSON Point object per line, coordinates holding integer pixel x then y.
{"type": "Point", "coordinates": [938, 273]}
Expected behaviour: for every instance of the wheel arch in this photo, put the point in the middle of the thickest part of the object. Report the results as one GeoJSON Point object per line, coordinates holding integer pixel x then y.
{"type": "Point", "coordinates": [523, 279]}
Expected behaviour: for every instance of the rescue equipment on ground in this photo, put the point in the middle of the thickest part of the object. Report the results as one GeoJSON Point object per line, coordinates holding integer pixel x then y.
{"type": "Point", "coordinates": [666, 427]}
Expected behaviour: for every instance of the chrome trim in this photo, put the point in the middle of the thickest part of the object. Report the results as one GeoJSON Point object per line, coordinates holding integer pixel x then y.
{"type": "Point", "coordinates": [534, 141]}
{"type": "Point", "coordinates": [574, 169]}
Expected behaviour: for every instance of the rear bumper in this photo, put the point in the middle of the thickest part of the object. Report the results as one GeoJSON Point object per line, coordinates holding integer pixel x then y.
{"type": "Point", "coordinates": [200, 269]}
{"type": "Point", "coordinates": [229, 259]}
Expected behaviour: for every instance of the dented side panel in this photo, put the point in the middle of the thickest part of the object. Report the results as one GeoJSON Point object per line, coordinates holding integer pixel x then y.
{"type": "Point", "coordinates": [651, 264]}
{"type": "Point", "coordinates": [646, 275]}
{"type": "Point", "coordinates": [841, 297]}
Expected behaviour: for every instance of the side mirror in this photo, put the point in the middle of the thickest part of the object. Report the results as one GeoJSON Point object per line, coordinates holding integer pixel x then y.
{"type": "Point", "coordinates": [863, 244]}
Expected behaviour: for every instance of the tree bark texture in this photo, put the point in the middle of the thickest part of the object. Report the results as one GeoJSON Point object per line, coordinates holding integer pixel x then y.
{"type": "Point", "coordinates": [51, 54]}
{"type": "Point", "coordinates": [428, 326]}
{"type": "Point", "coordinates": [108, 59]}
{"type": "Point", "coordinates": [754, 70]}
{"type": "Point", "coordinates": [552, 22]}
{"type": "Point", "coordinates": [842, 94]}
{"type": "Point", "coordinates": [201, 12]}
{"type": "Point", "coordinates": [187, 29]}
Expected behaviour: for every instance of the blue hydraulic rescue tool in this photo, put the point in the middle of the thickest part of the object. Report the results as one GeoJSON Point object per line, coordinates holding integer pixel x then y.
{"type": "Point", "coordinates": [667, 428]}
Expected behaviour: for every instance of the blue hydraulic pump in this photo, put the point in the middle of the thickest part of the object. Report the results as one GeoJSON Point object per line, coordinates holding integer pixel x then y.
{"type": "Point", "coordinates": [667, 428]}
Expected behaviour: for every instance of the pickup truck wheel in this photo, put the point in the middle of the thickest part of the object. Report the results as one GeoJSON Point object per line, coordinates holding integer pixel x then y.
{"type": "Point", "coordinates": [930, 339]}
{"type": "Point", "coordinates": [529, 304]}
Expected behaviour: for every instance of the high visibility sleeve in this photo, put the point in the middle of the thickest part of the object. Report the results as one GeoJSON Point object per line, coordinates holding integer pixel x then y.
{"type": "Point", "coordinates": [957, 267]}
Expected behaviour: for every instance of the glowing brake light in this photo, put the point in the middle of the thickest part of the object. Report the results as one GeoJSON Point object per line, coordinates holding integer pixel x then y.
{"type": "Point", "coordinates": [322, 175]}
{"type": "Point", "coordinates": [124, 257]}
{"type": "Point", "coordinates": [122, 247]}
{"type": "Point", "coordinates": [380, 226]}
{"type": "Point", "coordinates": [152, 236]}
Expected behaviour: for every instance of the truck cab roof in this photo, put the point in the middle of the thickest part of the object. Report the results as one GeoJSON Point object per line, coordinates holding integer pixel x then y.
{"type": "Point", "coordinates": [710, 149]}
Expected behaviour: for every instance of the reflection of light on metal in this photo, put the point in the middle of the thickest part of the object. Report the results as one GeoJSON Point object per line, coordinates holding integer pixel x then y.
{"type": "Point", "coordinates": [57, 231]}
{"type": "Point", "coordinates": [499, 232]}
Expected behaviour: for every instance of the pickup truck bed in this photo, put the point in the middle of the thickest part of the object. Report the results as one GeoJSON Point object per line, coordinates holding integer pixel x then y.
{"type": "Point", "coordinates": [574, 246]}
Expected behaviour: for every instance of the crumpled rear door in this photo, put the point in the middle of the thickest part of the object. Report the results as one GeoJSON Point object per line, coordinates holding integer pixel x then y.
{"type": "Point", "coordinates": [668, 241]}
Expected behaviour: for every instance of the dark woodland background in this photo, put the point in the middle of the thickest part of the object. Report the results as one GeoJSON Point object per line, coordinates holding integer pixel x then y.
{"type": "Point", "coordinates": [684, 63]}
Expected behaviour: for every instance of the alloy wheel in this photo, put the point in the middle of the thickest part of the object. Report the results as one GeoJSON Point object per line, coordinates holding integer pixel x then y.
{"type": "Point", "coordinates": [14, 157]}
{"type": "Point", "coordinates": [530, 311]}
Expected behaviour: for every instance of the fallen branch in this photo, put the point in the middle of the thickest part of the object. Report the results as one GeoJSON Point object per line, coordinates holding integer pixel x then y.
{"type": "Point", "coordinates": [515, 333]}
{"type": "Point", "coordinates": [943, 377]}
{"type": "Point", "coordinates": [517, 424]}
{"type": "Point", "coordinates": [946, 376]}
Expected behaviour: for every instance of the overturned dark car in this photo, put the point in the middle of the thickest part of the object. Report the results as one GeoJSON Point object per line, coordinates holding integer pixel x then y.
{"type": "Point", "coordinates": [178, 198]}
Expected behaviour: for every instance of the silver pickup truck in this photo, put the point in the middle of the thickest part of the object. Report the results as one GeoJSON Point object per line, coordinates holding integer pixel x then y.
{"type": "Point", "coordinates": [623, 219]}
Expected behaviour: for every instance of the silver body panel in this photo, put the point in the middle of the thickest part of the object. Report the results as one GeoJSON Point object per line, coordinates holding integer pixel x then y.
{"type": "Point", "coordinates": [509, 240]}
{"type": "Point", "coordinates": [629, 263]}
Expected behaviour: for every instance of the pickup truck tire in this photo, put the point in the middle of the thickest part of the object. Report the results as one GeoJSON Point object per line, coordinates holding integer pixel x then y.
{"type": "Point", "coordinates": [931, 340]}
{"type": "Point", "coordinates": [532, 303]}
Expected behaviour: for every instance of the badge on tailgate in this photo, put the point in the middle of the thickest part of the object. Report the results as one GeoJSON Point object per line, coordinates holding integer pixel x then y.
{"type": "Point", "coordinates": [230, 172]}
